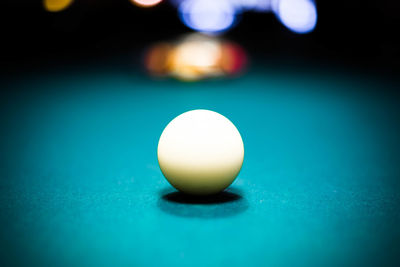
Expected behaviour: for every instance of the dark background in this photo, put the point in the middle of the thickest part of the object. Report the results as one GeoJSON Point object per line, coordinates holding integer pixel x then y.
{"type": "Point", "coordinates": [359, 34]}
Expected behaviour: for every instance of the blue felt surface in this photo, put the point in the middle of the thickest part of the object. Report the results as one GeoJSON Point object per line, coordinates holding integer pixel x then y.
{"type": "Point", "coordinates": [80, 183]}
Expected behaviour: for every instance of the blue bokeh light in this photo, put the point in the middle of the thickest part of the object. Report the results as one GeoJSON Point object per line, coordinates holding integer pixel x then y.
{"type": "Point", "coordinates": [218, 16]}
{"type": "Point", "coordinates": [251, 5]}
{"type": "Point", "coordinates": [299, 16]}
{"type": "Point", "coordinates": [208, 16]}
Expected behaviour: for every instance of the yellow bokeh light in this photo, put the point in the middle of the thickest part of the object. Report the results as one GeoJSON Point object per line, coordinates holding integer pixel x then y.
{"type": "Point", "coordinates": [196, 57]}
{"type": "Point", "coordinates": [56, 5]}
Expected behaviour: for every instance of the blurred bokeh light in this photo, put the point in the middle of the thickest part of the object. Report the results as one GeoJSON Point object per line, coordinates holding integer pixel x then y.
{"type": "Point", "coordinates": [299, 16]}
{"type": "Point", "coordinates": [195, 57]}
{"type": "Point", "coordinates": [234, 58]}
{"type": "Point", "coordinates": [157, 59]}
{"type": "Point", "coordinates": [208, 16]}
{"type": "Point", "coordinates": [252, 5]}
{"type": "Point", "coordinates": [56, 5]}
{"type": "Point", "coordinates": [146, 3]}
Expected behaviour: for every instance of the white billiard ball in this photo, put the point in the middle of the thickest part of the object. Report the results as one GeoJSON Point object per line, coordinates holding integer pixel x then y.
{"type": "Point", "coordinates": [200, 152]}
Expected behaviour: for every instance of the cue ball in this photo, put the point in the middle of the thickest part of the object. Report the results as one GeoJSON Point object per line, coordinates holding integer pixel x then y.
{"type": "Point", "coordinates": [200, 152]}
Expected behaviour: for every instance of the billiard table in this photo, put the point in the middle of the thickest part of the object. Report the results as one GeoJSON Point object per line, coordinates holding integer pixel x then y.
{"type": "Point", "coordinates": [81, 186]}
